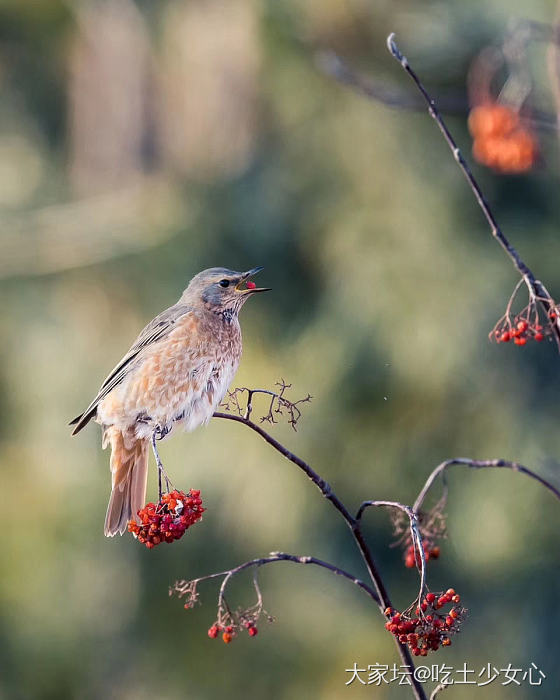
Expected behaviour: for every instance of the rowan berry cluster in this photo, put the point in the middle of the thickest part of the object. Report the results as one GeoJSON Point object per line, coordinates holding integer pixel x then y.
{"type": "Point", "coordinates": [412, 554]}
{"type": "Point", "coordinates": [424, 633]}
{"type": "Point", "coordinates": [169, 519]}
{"type": "Point", "coordinates": [228, 632]}
{"type": "Point", "coordinates": [500, 140]}
{"type": "Point", "coordinates": [521, 330]}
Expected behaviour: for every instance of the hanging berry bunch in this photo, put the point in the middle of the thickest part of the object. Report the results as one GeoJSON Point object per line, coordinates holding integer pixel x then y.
{"type": "Point", "coordinates": [231, 623]}
{"type": "Point", "coordinates": [531, 323]}
{"type": "Point", "coordinates": [169, 519]}
{"type": "Point", "coordinates": [519, 331]}
{"type": "Point", "coordinates": [228, 632]}
{"type": "Point", "coordinates": [422, 632]}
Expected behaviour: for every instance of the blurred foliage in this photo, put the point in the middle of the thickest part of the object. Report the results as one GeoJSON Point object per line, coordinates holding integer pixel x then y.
{"type": "Point", "coordinates": [141, 143]}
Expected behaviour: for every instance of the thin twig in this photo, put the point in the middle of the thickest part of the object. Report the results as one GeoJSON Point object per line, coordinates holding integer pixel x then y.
{"type": "Point", "coordinates": [180, 586]}
{"type": "Point", "coordinates": [480, 464]}
{"type": "Point", "coordinates": [532, 283]}
{"type": "Point", "coordinates": [354, 525]}
{"type": "Point", "coordinates": [437, 690]}
{"type": "Point", "coordinates": [416, 537]}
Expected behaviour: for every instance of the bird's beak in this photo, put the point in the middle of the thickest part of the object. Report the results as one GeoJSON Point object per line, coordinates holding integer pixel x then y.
{"type": "Point", "coordinates": [249, 289]}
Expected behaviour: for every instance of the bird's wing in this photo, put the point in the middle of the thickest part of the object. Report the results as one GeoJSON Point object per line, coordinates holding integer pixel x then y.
{"type": "Point", "coordinates": [155, 331]}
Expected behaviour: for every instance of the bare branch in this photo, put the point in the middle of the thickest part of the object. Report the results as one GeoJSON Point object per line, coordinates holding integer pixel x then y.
{"type": "Point", "coordinates": [182, 588]}
{"type": "Point", "coordinates": [353, 524]}
{"type": "Point", "coordinates": [535, 286]}
{"type": "Point", "coordinates": [415, 535]}
{"type": "Point", "coordinates": [479, 464]}
{"type": "Point", "coordinates": [437, 690]}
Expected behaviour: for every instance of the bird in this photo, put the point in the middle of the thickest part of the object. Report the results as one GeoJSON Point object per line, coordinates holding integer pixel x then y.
{"type": "Point", "coordinates": [176, 373]}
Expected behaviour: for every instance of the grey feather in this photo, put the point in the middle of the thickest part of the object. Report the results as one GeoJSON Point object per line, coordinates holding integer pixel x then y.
{"type": "Point", "coordinates": [156, 330]}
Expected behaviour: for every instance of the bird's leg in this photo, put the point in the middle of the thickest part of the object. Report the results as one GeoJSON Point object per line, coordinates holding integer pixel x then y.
{"type": "Point", "coordinates": [161, 471]}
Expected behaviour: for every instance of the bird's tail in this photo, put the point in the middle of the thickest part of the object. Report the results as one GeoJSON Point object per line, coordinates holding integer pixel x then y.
{"type": "Point", "coordinates": [129, 469]}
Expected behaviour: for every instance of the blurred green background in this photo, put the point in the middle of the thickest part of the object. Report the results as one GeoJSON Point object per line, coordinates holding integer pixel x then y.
{"type": "Point", "coordinates": [142, 142]}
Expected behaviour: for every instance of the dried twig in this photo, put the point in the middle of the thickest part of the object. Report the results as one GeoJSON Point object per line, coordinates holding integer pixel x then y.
{"type": "Point", "coordinates": [279, 405]}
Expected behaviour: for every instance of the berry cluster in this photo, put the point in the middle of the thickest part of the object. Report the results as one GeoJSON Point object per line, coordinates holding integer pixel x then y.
{"type": "Point", "coordinates": [424, 633]}
{"type": "Point", "coordinates": [500, 141]}
{"type": "Point", "coordinates": [520, 331]}
{"type": "Point", "coordinates": [412, 555]}
{"type": "Point", "coordinates": [230, 631]}
{"type": "Point", "coordinates": [169, 519]}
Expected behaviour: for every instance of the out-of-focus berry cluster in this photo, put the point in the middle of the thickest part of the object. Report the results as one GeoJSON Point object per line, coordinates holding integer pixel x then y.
{"type": "Point", "coordinates": [423, 632]}
{"type": "Point", "coordinates": [412, 554]}
{"type": "Point", "coordinates": [500, 140]}
{"type": "Point", "coordinates": [169, 519]}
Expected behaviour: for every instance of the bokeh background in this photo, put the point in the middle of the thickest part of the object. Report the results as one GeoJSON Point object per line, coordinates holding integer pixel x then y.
{"type": "Point", "coordinates": [141, 142]}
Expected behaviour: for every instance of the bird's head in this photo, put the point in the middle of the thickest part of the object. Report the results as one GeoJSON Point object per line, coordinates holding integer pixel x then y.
{"type": "Point", "coordinates": [219, 289]}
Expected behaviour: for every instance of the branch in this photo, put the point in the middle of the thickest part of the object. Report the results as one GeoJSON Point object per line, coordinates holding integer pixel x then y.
{"type": "Point", "coordinates": [415, 535]}
{"type": "Point", "coordinates": [534, 285]}
{"type": "Point", "coordinates": [479, 464]}
{"type": "Point", "coordinates": [384, 601]}
{"type": "Point", "coordinates": [437, 690]}
{"type": "Point", "coordinates": [183, 586]}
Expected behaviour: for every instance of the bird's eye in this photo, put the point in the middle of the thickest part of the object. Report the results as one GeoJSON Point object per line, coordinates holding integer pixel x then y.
{"type": "Point", "coordinates": [224, 283]}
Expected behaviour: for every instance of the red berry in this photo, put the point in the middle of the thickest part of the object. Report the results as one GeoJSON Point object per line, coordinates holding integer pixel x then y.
{"type": "Point", "coordinates": [227, 637]}
{"type": "Point", "coordinates": [213, 632]}
{"type": "Point", "coordinates": [430, 597]}
{"type": "Point", "coordinates": [522, 325]}
{"type": "Point", "coordinates": [450, 592]}
{"type": "Point", "coordinates": [505, 337]}
{"type": "Point", "coordinates": [251, 285]}
{"type": "Point", "coordinates": [539, 336]}
{"type": "Point", "coordinates": [253, 631]}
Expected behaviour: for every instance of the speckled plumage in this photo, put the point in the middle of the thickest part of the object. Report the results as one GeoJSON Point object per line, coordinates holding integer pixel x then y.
{"type": "Point", "coordinates": [176, 373]}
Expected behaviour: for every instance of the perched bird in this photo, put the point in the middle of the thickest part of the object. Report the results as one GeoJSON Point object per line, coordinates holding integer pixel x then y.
{"type": "Point", "coordinates": [177, 372]}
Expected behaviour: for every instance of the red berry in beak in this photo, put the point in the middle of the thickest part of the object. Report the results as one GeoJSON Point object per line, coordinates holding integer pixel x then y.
{"type": "Point", "coordinates": [251, 285]}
